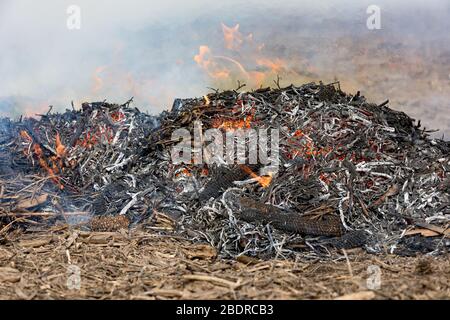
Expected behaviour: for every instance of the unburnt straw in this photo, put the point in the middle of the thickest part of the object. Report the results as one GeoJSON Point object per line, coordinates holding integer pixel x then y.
{"type": "Point", "coordinates": [351, 174]}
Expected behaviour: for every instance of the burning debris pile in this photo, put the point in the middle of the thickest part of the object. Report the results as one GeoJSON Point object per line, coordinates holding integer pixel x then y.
{"type": "Point", "coordinates": [350, 174]}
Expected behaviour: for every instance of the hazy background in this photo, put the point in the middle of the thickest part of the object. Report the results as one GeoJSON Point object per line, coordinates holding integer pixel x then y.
{"type": "Point", "coordinates": [151, 50]}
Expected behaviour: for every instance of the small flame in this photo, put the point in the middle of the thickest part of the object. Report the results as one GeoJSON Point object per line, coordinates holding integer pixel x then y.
{"type": "Point", "coordinates": [232, 37]}
{"type": "Point", "coordinates": [60, 148]}
{"type": "Point", "coordinates": [37, 150]}
{"type": "Point", "coordinates": [264, 181]}
{"type": "Point", "coordinates": [207, 101]}
{"type": "Point", "coordinates": [52, 165]}
{"type": "Point", "coordinates": [26, 136]}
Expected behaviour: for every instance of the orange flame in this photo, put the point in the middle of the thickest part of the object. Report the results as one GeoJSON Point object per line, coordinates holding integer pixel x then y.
{"type": "Point", "coordinates": [60, 148]}
{"type": "Point", "coordinates": [207, 62]}
{"type": "Point", "coordinates": [26, 136]}
{"type": "Point", "coordinates": [232, 37]}
{"type": "Point", "coordinates": [274, 65]}
{"type": "Point", "coordinates": [54, 164]}
{"type": "Point", "coordinates": [52, 171]}
{"type": "Point", "coordinates": [264, 181]}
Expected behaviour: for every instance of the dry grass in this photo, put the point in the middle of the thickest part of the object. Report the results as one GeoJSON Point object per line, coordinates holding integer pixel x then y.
{"type": "Point", "coordinates": [142, 265]}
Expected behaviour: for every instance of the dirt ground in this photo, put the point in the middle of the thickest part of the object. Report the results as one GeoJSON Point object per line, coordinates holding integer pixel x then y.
{"type": "Point", "coordinates": [70, 264]}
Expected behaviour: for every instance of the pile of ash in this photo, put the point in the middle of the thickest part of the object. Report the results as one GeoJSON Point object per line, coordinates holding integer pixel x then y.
{"type": "Point", "coordinates": [349, 173]}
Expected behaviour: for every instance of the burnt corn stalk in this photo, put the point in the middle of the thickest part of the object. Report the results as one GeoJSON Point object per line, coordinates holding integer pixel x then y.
{"type": "Point", "coordinates": [254, 211]}
{"type": "Point", "coordinates": [217, 185]}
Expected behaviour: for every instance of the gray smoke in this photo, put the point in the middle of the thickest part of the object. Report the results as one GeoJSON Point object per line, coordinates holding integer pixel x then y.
{"type": "Point", "coordinates": [145, 49]}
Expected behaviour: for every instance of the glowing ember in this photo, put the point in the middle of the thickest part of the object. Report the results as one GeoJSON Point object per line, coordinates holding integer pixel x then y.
{"type": "Point", "coordinates": [91, 138]}
{"type": "Point", "coordinates": [204, 172]}
{"type": "Point", "coordinates": [117, 116]}
{"type": "Point", "coordinates": [184, 172]}
{"type": "Point", "coordinates": [231, 125]}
